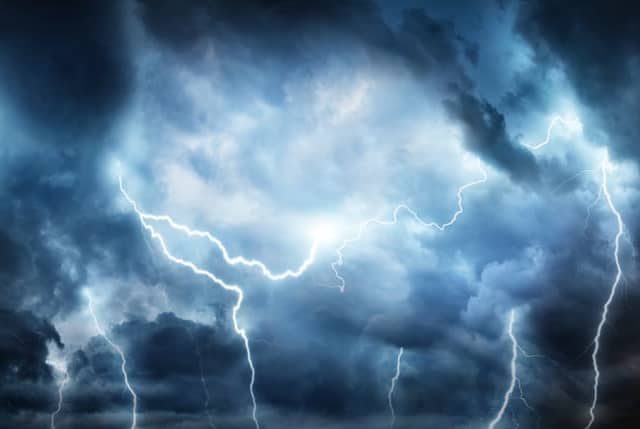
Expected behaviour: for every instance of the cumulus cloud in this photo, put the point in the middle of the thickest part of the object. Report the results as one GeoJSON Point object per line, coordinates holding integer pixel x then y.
{"type": "Point", "coordinates": [256, 120]}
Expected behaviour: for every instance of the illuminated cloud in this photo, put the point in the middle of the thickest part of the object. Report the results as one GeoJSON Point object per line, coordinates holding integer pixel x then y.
{"type": "Point", "coordinates": [277, 125]}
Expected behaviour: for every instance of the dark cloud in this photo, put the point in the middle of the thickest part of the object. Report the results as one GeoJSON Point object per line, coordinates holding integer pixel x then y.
{"type": "Point", "coordinates": [65, 80]}
{"type": "Point", "coordinates": [27, 382]}
{"type": "Point", "coordinates": [485, 133]}
{"type": "Point", "coordinates": [309, 33]}
{"type": "Point", "coordinates": [596, 44]}
{"type": "Point", "coordinates": [64, 67]}
{"type": "Point", "coordinates": [57, 231]}
{"type": "Point", "coordinates": [24, 345]}
{"type": "Point", "coordinates": [525, 95]}
{"type": "Point", "coordinates": [168, 352]}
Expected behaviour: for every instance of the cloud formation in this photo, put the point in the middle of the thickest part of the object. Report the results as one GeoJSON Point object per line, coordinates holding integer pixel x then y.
{"type": "Point", "coordinates": [258, 120]}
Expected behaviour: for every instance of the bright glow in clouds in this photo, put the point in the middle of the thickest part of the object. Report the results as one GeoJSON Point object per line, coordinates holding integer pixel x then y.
{"type": "Point", "coordinates": [323, 232]}
{"type": "Point", "coordinates": [123, 366]}
{"type": "Point", "coordinates": [318, 234]}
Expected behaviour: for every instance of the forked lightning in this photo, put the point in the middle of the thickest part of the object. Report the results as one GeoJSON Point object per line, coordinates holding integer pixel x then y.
{"type": "Point", "coordinates": [394, 220]}
{"type": "Point", "coordinates": [123, 360]}
{"type": "Point", "coordinates": [612, 292]}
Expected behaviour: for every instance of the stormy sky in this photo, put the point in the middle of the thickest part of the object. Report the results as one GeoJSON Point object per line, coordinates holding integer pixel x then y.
{"type": "Point", "coordinates": [260, 120]}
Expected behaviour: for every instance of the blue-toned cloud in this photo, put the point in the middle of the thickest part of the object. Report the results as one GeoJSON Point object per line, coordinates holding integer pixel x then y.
{"type": "Point", "coordinates": [258, 120]}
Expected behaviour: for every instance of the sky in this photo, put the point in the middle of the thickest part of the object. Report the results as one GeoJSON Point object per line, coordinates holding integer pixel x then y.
{"type": "Point", "coordinates": [453, 186]}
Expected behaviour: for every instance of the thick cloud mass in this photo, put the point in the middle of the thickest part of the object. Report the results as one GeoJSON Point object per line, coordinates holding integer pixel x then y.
{"type": "Point", "coordinates": [597, 45]}
{"type": "Point", "coordinates": [485, 134]}
{"type": "Point", "coordinates": [258, 120]}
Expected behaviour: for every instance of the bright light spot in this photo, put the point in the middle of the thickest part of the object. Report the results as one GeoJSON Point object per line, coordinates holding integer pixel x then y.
{"type": "Point", "coordinates": [323, 232]}
{"type": "Point", "coordinates": [573, 124]}
{"type": "Point", "coordinates": [57, 363]}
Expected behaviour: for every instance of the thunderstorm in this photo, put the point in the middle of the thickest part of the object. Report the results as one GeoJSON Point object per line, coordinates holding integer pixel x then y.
{"type": "Point", "coordinates": [332, 214]}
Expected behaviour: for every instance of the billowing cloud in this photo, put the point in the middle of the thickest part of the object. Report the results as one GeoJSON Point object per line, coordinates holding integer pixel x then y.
{"type": "Point", "coordinates": [259, 120]}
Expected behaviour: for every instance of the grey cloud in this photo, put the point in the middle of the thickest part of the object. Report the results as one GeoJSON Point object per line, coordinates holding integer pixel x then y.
{"type": "Point", "coordinates": [485, 133]}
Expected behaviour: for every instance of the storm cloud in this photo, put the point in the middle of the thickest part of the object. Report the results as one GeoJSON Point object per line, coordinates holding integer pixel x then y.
{"type": "Point", "coordinates": [259, 120]}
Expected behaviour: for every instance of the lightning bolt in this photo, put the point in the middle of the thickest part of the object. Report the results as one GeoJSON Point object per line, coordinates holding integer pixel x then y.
{"type": "Point", "coordinates": [522, 352]}
{"type": "Point", "coordinates": [523, 399]}
{"type": "Point", "coordinates": [231, 260]}
{"type": "Point", "coordinates": [60, 394]}
{"type": "Point", "coordinates": [590, 207]}
{"type": "Point", "coordinates": [612, 292]}
{"type": "Point", "coordinates": [205, 387]}
{"type": "Point", "coordinates": [514, 378]}
{"type": "Point", "coordinates": [394, 220]}
{"type": "Point", "coordinates": [572, 124]}
{"type": "Point", "coordinates": [394, 381]}
{"type": "Point", "coordinates": [288, 273]}
{"type": "Point", "coordinates": [241, 260]}
{"type": "Point", "coordinates": [204, 273]}
{"type": "Point", "coordinates": [123, 360]}
{"type": "Point", "coordinates": [570, 179]}
{"type": "Point", "coordinates": [604, 190]}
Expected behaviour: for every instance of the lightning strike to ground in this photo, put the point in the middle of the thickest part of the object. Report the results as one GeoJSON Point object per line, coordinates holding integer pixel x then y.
{"type": "Point", "coordinates": [514, 378]}
{"type": "Point", "coordinates": [241, 260]}
{"type": "Point", "coordinates": [612, 292]}
{"type": "Point", "coordinates": [394, 381]}
{"type": "Point", "coordinates": [522, 352]}
{"type": "Point", "coordinates": [61, 368]}
{"type": "Point", "coordinates": [604, 190]}
{"type": "Point", "coordinates": [394, 220]}
{"type": "Point", "coordinates": [219, 282]}
{"type": "Point", "coordinates": [123, 360]}
{"type": "Point", "coordinates": [205, 387]}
